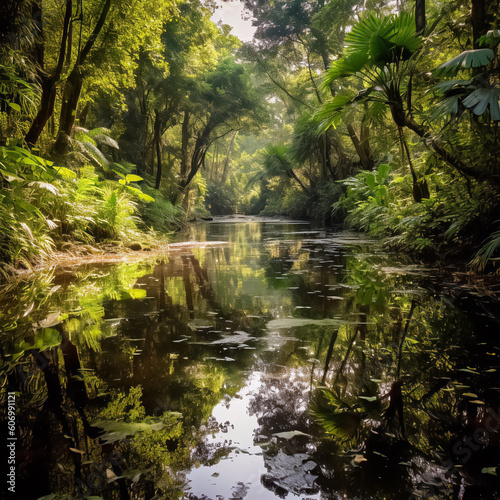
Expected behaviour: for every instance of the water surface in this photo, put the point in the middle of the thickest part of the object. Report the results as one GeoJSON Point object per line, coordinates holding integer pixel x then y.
{"type": "Point", "coordinates": [280, 362]}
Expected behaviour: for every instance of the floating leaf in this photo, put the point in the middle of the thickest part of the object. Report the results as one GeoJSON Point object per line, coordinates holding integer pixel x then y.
{"type": "Point", "coordinates": [297, 322]}
{"type": "Point", "coordinates": [289, 434]}
{"type": "Point", "coordinates": [489, 470]}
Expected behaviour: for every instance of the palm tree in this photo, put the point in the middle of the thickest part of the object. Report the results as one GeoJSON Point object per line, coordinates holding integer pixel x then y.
{"type": "Point", "coordinates": [381, 51]}
{"type": "Point", "coordinates": [277, 163]}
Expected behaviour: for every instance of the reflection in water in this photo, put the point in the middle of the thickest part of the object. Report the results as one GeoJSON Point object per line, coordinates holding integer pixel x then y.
{"type": "Point", "coordinates": [284, 363]}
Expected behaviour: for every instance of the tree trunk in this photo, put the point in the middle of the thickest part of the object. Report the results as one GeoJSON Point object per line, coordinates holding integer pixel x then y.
{"type": "Point", "coordinates": [420, 20]}
{"type": "Point", "coordinates": [199, 153]}
{"type": "Point", "coordinates": [365, 143]}
{"type": "Point", "coordinates": [71, 96]}
{"type": "Point", "coordinates": [360, 149]}
{"type": "Point", "coordinates": [325, 157]}
{"type": "Point", "coordinates": [49, 90]}
{"type": "Point", "coordinates": [157, 144]}
{"type": "Point", "coordinates": [185, 145]}
{"type": "Point", "coordinates": [436, 145]}
{"type": "Point", "coordinates": [293, 175]}
{"type": "Point", "coordinates": [480, 19]}
{"type": "Point", "coordinates": [73, 85]}
{"type": "Point", "coordinates": [48, 82]}
{"type": "Point", "coordinates": [225, 170]}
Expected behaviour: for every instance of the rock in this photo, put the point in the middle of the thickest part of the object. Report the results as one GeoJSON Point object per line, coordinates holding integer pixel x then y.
{"type": "Point", "coordinates": [136, 246]}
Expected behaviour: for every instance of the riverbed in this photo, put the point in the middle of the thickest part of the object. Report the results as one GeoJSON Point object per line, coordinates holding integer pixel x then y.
{"type": "Point", "coordinates": [261, 359]}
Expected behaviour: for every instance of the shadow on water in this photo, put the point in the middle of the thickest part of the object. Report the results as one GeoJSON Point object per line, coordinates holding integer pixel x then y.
{"type": "Point", "coordinates": [286, 362]}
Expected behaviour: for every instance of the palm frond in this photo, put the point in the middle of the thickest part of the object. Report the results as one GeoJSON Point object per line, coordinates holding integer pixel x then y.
{"type": "Point", "coordinates": [476, 58]}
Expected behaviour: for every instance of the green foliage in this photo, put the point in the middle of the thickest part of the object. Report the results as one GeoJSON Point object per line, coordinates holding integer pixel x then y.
{"type": "Point", "coordinates": [468, 59]}
{"type": "Point", "coordinates": [366, 199]}
{"type": "Point", "coordinates": [160, 214]}
{"type": "Point", "coordinates": [221, 199]}
{"type": "Point", "coordinates": [335, 416]}
{"type": "Point", "coordinates": [478, 95]}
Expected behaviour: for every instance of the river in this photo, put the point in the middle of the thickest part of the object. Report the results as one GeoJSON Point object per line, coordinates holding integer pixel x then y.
{"type": "Point", "coordinates": [266, 359]}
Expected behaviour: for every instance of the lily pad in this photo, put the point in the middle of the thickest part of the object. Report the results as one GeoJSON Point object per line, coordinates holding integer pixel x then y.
{"type": "Point", "coordinates": [276, 324]}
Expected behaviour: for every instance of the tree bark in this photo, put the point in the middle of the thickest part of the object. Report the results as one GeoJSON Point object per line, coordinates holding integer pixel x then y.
{"type": "Point", "coordinates": [158, 126]}
{"type": "Point", "coordinates": [293, 175]}
{"type": "Point", "coordinates": [420, 21]}
{"type": "Point", "coordinates": [225, 170]}
{"type": "Point", "coordinates": [199, 153]}
{"type": "Point", "coordinates": [480, 20]}
{"type": "Point", "coordinates": [73, 85]}
{"type": "Point", "coordinates": [48, 82]}
{"type": "Point", "coordinates": [71, 96]}
{"type": "Point", "coordinates": [360, 149]}
{"type": "Point", "coordinates": [184, 145]}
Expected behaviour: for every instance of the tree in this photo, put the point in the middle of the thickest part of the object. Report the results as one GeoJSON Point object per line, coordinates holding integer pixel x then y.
{"type": "Point", "coordinates": [381, 52]}
{"type": "Point", "coordinates": [276, 162]}
{"type": "Point", "coordinates": [225, 102]}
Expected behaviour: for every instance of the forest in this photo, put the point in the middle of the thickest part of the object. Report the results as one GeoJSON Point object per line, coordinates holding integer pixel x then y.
{"type": "Point", "coordinates": [250, 269]}
{"type": "Point", "coordinates": [120, 124]}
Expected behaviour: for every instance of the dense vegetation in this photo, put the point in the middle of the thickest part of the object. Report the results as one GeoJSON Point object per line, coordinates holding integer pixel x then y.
{"type": "Point", "coordinates": [119, 120]}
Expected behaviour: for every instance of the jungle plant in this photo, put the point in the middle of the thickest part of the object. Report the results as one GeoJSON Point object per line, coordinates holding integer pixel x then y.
{"type": "Point", "coordinates": [382, 52]}
{"type": "Point", "coordinates": [276, 162]}
{"type": "Point", "coordinates": [366, 198]}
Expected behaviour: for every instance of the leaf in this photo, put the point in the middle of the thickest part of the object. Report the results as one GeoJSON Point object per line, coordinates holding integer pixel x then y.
{"type": "Point", "coordinates": [137, 293]}
{"type": "Point", "coordinates": [133, 178]}
{"type": "Point", "coordinates": [383, 171]}
{"type": "Point", "coordinates": [491, 38]}
{"type": "Point", "coordinates": [142, 196]}
{"type": "Point", "coordinates": [329, 114]}
{"type": "Point", "coordinates": [114, 431]}
{"type": "Point", "coordinates": [444, 87]}
{"type": "Point", "coordinates": [480, 99]}
{"type": "Point", "coordinates": [105, 139]}
{"type": "Point", "coordinates": [371, 399]}
{"type": "Point", "coordinates": [489, 470]}
{"type": "Point", "coordinates": [14, 106]}
{"type": "Point", "coordinates": [380, 49]}
{"type": "Point", "coordinates": [289, 434]}
{"type": "Point", "coordinates": [468, 59]}
{"type": "Point", "coordinates": [345, 66]}
{"type": "Point", "coordinates": [8, 176]}
{"type": "Point", "coordinates": [276, 324]}
{"type": "Point", "coordinates": [469, 394]}
{"type": "Point", "coordinates": [65, 173]}
{"type": "Point", "coordinates": [468, 370]}
{"type": "Point", "coordinates": [370, 180]}
{"type": "Point", "coordinates": [44, 339]}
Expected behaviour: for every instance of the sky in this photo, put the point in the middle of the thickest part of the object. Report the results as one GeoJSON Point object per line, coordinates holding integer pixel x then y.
{"type": "Point", "coordinates": [230, 13]}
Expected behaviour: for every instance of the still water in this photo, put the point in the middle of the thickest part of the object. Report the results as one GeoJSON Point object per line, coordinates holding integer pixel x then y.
{"type": "Point", "coordinates": [270, 361]}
